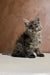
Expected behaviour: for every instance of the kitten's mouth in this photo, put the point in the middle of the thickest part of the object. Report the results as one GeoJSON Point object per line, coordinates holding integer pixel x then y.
{"type": "Point", "coordinates": [38, 29]}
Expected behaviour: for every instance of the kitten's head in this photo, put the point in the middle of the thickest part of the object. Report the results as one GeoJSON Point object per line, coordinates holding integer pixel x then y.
{"type": "Point", "coordinates": [33, 26]}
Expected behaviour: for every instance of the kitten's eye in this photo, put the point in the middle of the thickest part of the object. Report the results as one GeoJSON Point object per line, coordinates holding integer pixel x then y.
{"type": "Point", "coordinates": [30, 27]}
{"type": "Point", "coordinates": [36, 25]}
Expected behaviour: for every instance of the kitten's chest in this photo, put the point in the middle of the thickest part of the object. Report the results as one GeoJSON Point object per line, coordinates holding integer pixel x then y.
{"type": "Point", "coordinates": [35, 36]}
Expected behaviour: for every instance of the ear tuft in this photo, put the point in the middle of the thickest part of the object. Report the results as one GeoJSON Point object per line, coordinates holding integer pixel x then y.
{"type": "Point", "coordinates": [26, 21]}
{"type": "Point", "coordinates": [37, 18]}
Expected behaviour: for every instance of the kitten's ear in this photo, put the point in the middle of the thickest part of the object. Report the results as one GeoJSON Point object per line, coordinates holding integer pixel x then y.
{"type": "Point", "coordinates": [26, 22]}
{"type": "Point", "coordinates": [37, 18]}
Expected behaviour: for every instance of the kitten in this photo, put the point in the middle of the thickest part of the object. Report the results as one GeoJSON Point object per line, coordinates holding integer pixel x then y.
{"type": "Point", "coordinates": [29, 41]}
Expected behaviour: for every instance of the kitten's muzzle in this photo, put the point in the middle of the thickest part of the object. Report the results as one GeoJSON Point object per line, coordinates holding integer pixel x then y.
{"type": "Point", "coordinates": [38, 29]}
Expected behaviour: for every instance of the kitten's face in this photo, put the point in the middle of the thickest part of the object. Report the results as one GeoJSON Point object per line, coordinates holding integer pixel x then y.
{"type": "Point", "coordinates": [33, 26]}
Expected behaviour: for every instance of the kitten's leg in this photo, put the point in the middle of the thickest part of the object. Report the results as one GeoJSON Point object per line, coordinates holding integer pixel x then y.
{"type": "Point", "coordinates": [18, 54]}
{"type": "Point", "coordinates": [18, 51]}
{"type": "Point", "coordinates": [38, 53]}
{"type": "Point", "coordinates": [29, 53]}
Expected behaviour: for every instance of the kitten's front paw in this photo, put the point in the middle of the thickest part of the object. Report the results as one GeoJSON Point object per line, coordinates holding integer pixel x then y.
{"type": "Point", "coordinates": [32, 56]}
{"type": "Point", "coordinates": [40, 55]}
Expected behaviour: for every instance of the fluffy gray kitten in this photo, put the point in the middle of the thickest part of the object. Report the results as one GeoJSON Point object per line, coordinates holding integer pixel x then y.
{"type": "Point", "coordinates": [28, 43]}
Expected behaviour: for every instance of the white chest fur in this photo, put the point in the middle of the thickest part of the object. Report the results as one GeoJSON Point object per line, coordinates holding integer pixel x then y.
{"type": "Point", "coordinates": [36, 39]}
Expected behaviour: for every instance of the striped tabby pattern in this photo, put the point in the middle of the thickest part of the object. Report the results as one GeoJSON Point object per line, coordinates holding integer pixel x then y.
{"type": "Point", "coordinates": [29, 41]}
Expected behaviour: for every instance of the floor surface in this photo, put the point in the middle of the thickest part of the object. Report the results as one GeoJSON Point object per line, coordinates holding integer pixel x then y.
{"type": "Point", "coordinates": [25, 66]}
